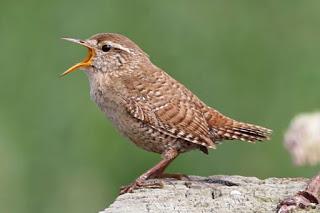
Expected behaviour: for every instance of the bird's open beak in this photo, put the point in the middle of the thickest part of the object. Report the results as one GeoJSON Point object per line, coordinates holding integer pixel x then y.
{"type": "Point", "coordinates": [86, 61]}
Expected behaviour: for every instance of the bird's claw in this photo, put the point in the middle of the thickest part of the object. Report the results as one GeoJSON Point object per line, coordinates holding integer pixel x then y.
{"type": "Point", "coordinates": [139, 184]}
{"type": "Point", "coordinates": [129, 188]}
{"type": "Point", "coordinates": [176, 176]}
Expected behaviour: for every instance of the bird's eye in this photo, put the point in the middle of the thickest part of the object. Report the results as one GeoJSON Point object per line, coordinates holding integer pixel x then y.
{"type": "Point", "coordinates": [106, 47]}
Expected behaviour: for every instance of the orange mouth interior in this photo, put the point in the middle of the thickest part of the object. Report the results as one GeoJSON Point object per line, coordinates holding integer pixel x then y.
{"type": "Point", "coordinates": [86, 62]}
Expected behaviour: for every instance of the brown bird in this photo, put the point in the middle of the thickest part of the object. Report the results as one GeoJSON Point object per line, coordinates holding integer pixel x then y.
{"type": "Point", "coordinates": [156, 112]}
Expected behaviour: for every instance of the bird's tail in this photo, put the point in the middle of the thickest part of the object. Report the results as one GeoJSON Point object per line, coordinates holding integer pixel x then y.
{"type": "Point", "coordinates": [244, 132]}
{"type": "Point", "coordinates": [224, 128]}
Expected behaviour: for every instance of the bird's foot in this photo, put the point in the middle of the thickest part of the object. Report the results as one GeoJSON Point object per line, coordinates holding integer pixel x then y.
{"type": "Point", "coordinates": [176, 176]}
{"type": "Point", "coordinates": [151, 184]}
{"type": "Point", "coordinates": [141, 182]}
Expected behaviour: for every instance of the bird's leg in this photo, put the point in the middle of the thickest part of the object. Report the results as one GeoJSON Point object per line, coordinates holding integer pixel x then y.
{"type": "Point", "coordinates": [168, 157]}
{"type": "Point", "coordinates": [159, 174]}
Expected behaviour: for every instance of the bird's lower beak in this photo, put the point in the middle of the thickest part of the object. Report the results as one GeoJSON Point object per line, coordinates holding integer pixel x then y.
{"type": "Point", "coordinates": [86, 61]}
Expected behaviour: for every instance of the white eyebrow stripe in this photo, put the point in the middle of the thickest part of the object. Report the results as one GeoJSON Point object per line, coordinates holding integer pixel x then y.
{"type": "Point", "coordinates": [119, 46]}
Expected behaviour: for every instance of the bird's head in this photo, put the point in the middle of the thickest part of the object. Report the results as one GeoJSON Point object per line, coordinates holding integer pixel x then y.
{"type": "Point", "coordinates": [107, 52]}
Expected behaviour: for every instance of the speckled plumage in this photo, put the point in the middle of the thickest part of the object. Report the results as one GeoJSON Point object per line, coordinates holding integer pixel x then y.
{"type": "Point", "coordinates": [152, 109]}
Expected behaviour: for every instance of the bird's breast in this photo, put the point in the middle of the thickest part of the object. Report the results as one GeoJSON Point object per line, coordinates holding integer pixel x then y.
{"type": "Point", "coordinates": [103, 93]}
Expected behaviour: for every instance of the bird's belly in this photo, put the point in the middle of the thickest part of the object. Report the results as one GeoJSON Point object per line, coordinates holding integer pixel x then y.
{"type": "Point", "coordinates": [151, 139]}
{"type": "Point", "coordinates": [141, 134]}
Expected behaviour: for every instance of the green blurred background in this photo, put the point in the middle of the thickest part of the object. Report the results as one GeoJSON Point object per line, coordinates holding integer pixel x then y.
{"type": "Point", "coordinates": [255, 61]}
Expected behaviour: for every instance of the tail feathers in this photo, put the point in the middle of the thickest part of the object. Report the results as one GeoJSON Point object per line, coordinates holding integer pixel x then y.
{"type": "Point", "coordinates": [243, 132]}
{"type": "Point", "coordinates": [225, 128]}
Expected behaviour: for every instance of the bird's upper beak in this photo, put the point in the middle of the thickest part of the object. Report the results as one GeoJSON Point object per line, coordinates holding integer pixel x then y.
{"type": "Point", "coordinates": [86, 61]}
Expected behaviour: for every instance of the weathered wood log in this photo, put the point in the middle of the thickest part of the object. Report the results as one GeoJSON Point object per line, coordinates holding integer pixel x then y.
{"type": "Point", "coordinates": [211, 194]}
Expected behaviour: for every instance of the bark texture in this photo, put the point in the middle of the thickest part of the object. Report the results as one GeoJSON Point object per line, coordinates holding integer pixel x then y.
{"type": "Point", "coordinates": [211, 194]}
